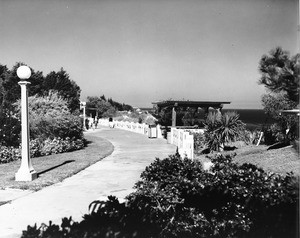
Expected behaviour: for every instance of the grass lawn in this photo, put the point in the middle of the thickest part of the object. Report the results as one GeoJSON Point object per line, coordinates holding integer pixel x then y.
{"type": "Point", "coordinates": [52, 169]}
{"type": "Point", "coordinates": [281, 160]}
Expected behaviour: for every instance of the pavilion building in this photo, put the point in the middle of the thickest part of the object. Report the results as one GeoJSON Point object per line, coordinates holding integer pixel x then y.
{"type": "Point", "coordinates": [174, 104]}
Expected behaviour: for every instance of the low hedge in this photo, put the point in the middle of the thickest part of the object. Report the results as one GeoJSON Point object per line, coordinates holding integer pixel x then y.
{"type": "Point", "coordinates": [177, 198]}
{"type": "Point", "coordinates": [9, 154]}
{"type": "Point", "coordinates": [41, 148]}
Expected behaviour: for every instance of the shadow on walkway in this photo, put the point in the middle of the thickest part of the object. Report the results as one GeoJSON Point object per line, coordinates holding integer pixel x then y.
{"type": "Point", "coordinates": [54, 167]}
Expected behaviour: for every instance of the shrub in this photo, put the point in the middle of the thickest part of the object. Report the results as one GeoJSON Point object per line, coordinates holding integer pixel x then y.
{"type": "Point", "coordinates": [273, 134]}
{"type": "Point", "coordinates": [273, 104]}
{"type": "Point", "coordinates": [221, 129]}
{"type": "Point", "coordinates": [212, 138]}
{"type": "Point", "coordinates": [35, 148]}
{"type": "Point", "coordinates": [9, 154]}
{"type": "Point", "coordinates": [49, 117]}
{"type": "Point", "coordinates": [113, 219]}
{"type": "Point", "coordinates": [250, 137]}
{"type": "Point", "coordinates": [62, 126]}
{"type": "Point", "coordinates": [41, 148]}
{"type": "Point", "coordinates": [58, 145]}
{"type": "Point", "coordinates": [199, 142]}
{"type": "Point", "coordinates": [269, 199]}
{"type": "Point", "coordinates": [231, 200]}
{"type": "Point", "coordinates": [177, 198]}
{"type": "Point", "coordinates": [52, 146]}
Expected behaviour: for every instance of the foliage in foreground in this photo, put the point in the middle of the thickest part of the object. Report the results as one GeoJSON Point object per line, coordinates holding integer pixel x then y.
{"type": "Point", "coordinates": [177, 198]}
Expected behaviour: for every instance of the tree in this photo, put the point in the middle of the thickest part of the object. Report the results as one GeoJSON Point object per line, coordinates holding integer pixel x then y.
{"type": "Point", "coordinates": [111, 112]}
{"type": "Point", "coordinates": [11, 88]}
{"type": "Point", "coordinates": [103, 97]}
{"type": "Point", "coordinates": [285, 128]}
{"type": "Point", "coordinates": [274, 103]}
{"type": "Point", "coordinates": [10, 127]}
{"type": "Point", "coordinates": [10, 92]}
{"type": "Point", "coordinates": [104, 107]}
{"type": "Point", "coordinates": [3, 72]}
{"type": "Point", "coordinates": [280, 73]}
{"type": "Point", "coordinates": [99, 105]}
{"type": "Point", "coordinates": [127, 107]}
{"type": "Point", "coordinates": [120, 107]}
{"type": "Point", "coordinates": [67, 88]}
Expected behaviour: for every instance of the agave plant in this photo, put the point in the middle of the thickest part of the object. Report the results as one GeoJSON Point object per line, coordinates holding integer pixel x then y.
{"type": "Point", "coordinates": [222, 129]}
{"type": "Point", "coordinates": [212, 138]}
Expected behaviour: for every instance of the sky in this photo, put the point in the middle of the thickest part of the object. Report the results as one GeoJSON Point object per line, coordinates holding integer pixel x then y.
{"type": "Point", "coordinates": [141, 51]}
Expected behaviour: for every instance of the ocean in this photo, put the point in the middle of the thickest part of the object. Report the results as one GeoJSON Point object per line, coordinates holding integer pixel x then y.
{"type": "Point", "coordinates": [253, 118]}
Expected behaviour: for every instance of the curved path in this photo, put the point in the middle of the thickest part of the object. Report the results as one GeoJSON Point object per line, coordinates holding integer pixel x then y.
{"type": "Point", "coordinates": [114, 175]}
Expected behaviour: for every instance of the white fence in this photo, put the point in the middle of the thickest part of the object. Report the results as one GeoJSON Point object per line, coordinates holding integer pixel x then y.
{"type": "Point", "coordinates": [184, 140]}
{"type": "Point", "coordinates": [140, 128]}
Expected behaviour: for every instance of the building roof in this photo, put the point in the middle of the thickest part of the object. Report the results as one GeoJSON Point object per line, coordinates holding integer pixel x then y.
{"type": "Point", "coordinates": [190, 103]}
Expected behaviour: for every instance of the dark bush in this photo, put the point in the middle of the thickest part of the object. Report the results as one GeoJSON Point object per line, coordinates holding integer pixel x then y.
{"type": "Point", "coordinates": [199, 143]}
{"type": "Point", "coordinates": [177, 198]}
{"type": "Point", "coordinates": [10, 129]}
{"type": "Point", "coordinates": [273, 134]}
{"type": "Point", "coordinates": [269, 199]}
{"type": "Point", "coordinates": [113, 219]}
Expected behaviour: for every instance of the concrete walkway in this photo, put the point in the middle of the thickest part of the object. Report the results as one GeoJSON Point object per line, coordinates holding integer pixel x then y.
{"type": "Point", "coordinates": [114, 175]}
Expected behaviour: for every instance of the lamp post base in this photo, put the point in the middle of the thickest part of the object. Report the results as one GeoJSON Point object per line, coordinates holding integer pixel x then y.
{"type": "Point", "coordinates": [26, 176]}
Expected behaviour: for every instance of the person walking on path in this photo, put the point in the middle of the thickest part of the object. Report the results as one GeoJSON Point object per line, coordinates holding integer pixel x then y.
{"type": "Point", "coordinates": [111, 122]}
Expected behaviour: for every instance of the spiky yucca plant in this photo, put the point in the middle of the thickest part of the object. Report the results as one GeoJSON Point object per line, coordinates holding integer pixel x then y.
{"type": "Point", "coordinates": [222, 129]}
{"type": "Point", "coordinates": [211, 125]}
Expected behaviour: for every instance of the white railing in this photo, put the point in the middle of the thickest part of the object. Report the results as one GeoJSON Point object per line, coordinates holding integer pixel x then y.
{"type": "Point", "coordinates": [140, 128]}
{"type": "Point", "coordinates": [184, 140]}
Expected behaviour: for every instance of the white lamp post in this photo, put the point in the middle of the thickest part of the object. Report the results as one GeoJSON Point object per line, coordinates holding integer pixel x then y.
{"type": "Point", "coordinates": [26, 171]}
